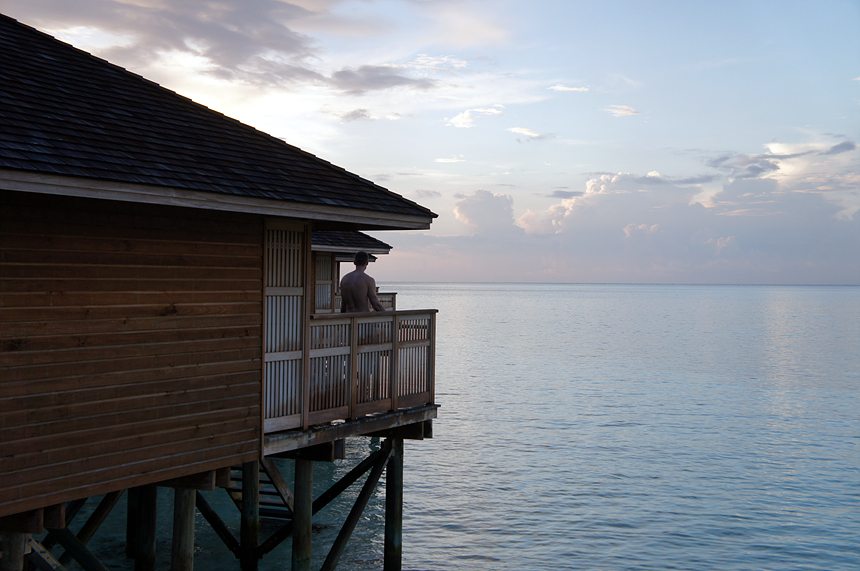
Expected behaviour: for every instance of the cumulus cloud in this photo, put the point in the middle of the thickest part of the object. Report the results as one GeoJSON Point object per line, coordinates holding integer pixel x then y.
{"type": "Point", "coordinates": [487, 213]}
{"type": "Point", "coordinates": [466, 119]}
{"type": "Point", "coordinates": [819, 167]}
{"type": "Point", "coordinates": [560, 87]}
{"type": "Point", "coordinates": [621, 110]}
{"type": "Point", "coordinates": [721, 244]}
{"type": "Point", "coordinates": [630, 229]}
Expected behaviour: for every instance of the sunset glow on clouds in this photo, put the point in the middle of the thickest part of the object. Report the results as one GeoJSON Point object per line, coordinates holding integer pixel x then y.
{"type": "Point", "coordinates": [663, 145]}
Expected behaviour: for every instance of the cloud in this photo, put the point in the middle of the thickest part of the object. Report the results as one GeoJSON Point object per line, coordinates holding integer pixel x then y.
{"type": "Point", "coordinates": [425, 62]}
{"type": "Point", "coordinates": [458, 159]}
{"type": "Point", "coordinates": [487, 213]}
{"type": "Point", "coordinates": [355, 115]}
{"type": "Point", "coordinates": [421, 193]}
{"type": "Point", "coordinates": [721, 244]}
{"type": "Point", "coordinates": [225, 40]}
{"type": "Point", "coordinates": [621, 110]}
{"type": "Point", "coordinates": [565, 193]}
{"type": "Point", "coordinates": [630, 229]}
{"type": "Point", "coordinates": [375, 78]}
{"type": "Point", "coordinates": [843, 147]}
{"type": "Point", "coordinates": [532, 136]}
{"type": "Point", "coordinates": [466, 119]}
{"type": "Point", "coordinates": [524, 131]}
{"type": "Point", "coordinates": [560, 87]}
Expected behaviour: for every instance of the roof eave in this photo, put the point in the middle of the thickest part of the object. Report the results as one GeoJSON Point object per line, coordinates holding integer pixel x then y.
{"type": "Point", "coordinates": [146, 194]}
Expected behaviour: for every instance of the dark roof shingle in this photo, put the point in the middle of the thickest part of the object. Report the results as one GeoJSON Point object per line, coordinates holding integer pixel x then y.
{"type": "Point", "coordinates": [64, 111]}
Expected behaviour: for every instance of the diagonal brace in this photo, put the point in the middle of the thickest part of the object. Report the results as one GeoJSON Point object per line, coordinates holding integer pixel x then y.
{"type": "Point", "coordinates": [357, 509]}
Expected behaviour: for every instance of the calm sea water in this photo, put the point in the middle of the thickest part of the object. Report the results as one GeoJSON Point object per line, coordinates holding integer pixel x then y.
{"type": "Point", "coordinates": [619, 427]}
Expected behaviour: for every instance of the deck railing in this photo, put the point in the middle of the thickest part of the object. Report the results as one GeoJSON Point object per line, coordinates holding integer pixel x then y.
{"type": "Point", "coordinates": [388, 301]}
{"type": "Point", "coordinates": [360, 364]}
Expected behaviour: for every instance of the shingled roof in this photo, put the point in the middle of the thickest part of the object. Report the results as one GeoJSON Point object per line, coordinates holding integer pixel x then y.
{"type": "Point", "coordinates": [347, 242]}
{"type": "Point", "coordinates": [65, 112]}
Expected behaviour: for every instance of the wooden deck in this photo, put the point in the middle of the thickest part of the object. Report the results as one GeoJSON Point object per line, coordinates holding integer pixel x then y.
{"type": "Point", "coordinates": [356, 365]}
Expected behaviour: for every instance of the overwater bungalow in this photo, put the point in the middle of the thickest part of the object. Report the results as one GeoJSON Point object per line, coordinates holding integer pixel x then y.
{"type": "Point", "coordinates": [168, 295]}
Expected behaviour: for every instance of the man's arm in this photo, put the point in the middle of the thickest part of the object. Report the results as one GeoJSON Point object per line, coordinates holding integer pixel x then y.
{"type": "Point", "coordinates": [371, 295]}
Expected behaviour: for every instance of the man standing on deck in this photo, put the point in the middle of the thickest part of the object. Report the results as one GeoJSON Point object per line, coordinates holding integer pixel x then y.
{"type": "Point", "coordinates": [357, 289]}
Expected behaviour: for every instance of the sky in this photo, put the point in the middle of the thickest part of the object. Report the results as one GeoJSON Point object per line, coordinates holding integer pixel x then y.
{"type": "Point", "coordinates": [559, 141]}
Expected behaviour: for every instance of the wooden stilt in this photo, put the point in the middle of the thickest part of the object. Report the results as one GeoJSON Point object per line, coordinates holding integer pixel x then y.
{"type": "Point", "coordinates": [131, 526]}
{"type": "Point", "coordinates": [393, 543]}
{"type": "Point", "coordinates": [12, 551]}
{"type": "Point", "coordinates": [302, 515]}
{"type": "Point", "coordinates": [249, 533]}
{"type": "Point", "coordinates": [144, 550]}
{"type": "Point", "coordinates": [182, 554]}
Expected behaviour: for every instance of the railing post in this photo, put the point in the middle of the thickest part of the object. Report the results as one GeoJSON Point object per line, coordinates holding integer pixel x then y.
{"type": "Point", "coordinates": [353, 365]}
{"type": "Point", "coordinates": [431, 359]}
{"type": "Point", "coordinates": [394, 374]}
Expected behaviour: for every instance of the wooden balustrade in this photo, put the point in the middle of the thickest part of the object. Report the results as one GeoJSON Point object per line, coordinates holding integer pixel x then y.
{"type": "Point", "coordinates": [359, 364]}
{"type": "Point", "coordinates": [387, 299]}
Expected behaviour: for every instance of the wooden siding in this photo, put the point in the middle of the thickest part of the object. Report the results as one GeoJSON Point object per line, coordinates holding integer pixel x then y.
{"type": "Point", "coordinates": [130, 345]}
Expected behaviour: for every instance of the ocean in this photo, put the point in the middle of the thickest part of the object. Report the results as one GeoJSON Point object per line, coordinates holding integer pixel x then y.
{"type": "Point", "coordinates": [617, 427]}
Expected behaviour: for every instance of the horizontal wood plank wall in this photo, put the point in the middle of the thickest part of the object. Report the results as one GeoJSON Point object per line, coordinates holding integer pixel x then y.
{"type": "Point", "coordinates": [130, 345]}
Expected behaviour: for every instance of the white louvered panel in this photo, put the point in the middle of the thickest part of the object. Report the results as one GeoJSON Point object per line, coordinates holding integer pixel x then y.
{"type": "Point", "coordinates": [284, 321]}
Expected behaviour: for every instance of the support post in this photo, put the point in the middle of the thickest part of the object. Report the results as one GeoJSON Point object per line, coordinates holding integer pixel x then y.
{"type": "Point", "coordinates": [13, 551]}
{"type": "Point", "coordinates": [132, 514]}
{"type": "Point", "coordinates": [249, 533]}
{"type": "Point", "coordinates": [182, 553]}
{"type": "Point", "coordinates": [393, 543]}
{"type": "Point", "coordinates": [144, 551]}
{"type": "Point", "coordinates": [302, 515]}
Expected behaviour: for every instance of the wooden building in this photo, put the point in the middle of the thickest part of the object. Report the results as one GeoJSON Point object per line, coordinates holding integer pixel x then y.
{"type": "Point", "coordinates": [166, 316]}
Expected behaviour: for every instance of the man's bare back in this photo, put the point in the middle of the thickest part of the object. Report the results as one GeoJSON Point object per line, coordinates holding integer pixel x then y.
{"type": "Point", "coordinates": [358, 290]}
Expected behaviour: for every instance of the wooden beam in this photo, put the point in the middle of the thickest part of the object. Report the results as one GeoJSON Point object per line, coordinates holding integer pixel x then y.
{"type": "Point", "coordinates": [249, 532]}
{"type": "Point", "coordinates": [78, 550]}
{"type": "Point", "coordinates": [144, 551]}
{"type": "Point", "coordinates": [131, 525]}
{"type": "Point", "coordinates": [302, 516]}
{"type": "Point", "coordinates": [393, 541]}
{"type": "Point", "coordinates": [417, 431]}
{"type": "Point", "coordinates": [202, 481]}
{"type": "Point", "coordinates": [349, 478]}
{"type": "Point", "coordinates": [355, 513]}
{"type": "Point", "coordinates": [218, 526]}
{"type": "Point", "coordinates": [325, 452]}
{"type": "Point", "coordinates": [294, 439]}
{"type": "Point", "coordinates": [94, 522]}
{"type": "Point", "coordinates": [182, 548]}
{"type": "Point", "coordinates": [12, 550]}
{"type": "Point", "coordinates": [31, 521]}
{"type": "Point", "coordinates": [278, 481]}
{"type": "Point", "coordinates": [40, 557]}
